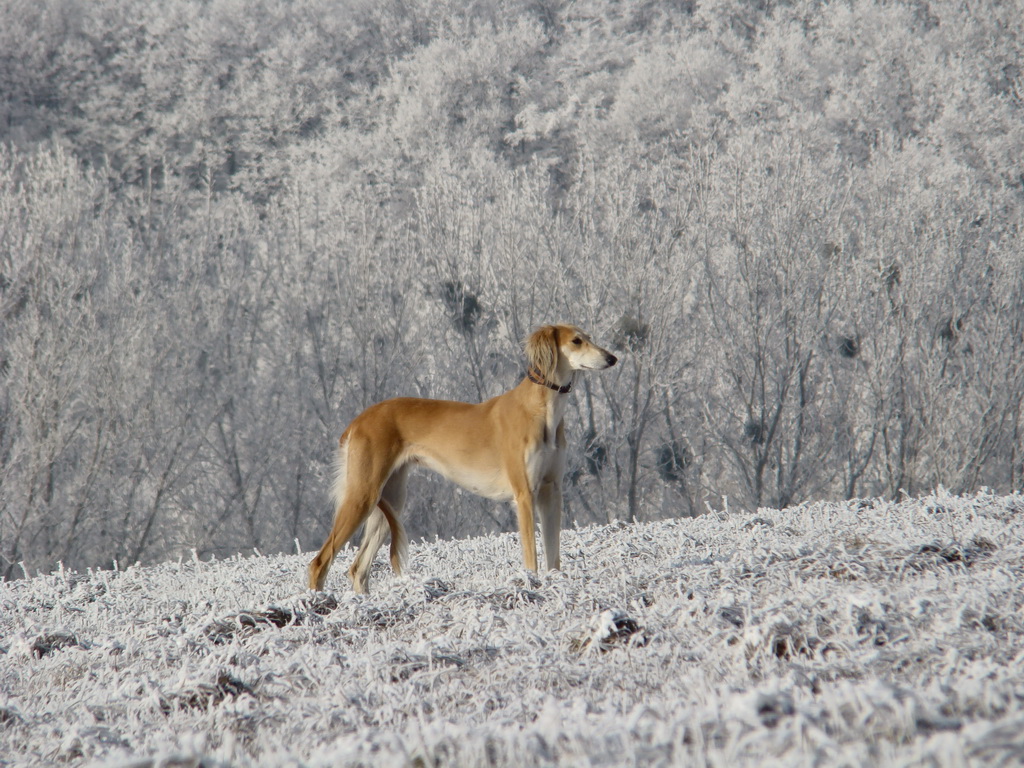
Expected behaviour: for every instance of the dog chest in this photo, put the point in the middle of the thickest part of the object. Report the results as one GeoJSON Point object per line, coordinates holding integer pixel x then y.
{"type": "Point", "coordinates": [544, 457]}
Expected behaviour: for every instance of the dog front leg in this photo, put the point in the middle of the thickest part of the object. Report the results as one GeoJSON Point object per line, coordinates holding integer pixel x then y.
{"type": "Point", "coordinates": [549, 506]}
{"type": "Point", "coordinates": [524, 511]}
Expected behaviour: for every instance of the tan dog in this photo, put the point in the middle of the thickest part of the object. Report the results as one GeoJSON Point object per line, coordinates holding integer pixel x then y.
{"type": "Point", "coordinates": [509, 447]}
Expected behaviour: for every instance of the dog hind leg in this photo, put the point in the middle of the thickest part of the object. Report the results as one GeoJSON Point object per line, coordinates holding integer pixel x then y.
{"type": "Point", "coordinates": [359, 489]}
{"type": "Point", "coordinates": [374, 533]}
{"type": "Point", "coordinates": [392, 502]}
{"type": "Point", "coordinates": [384, 518]}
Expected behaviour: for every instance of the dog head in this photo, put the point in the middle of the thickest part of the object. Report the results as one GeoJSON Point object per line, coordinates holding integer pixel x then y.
{"type": "Point", "coordinates": [556, 350]}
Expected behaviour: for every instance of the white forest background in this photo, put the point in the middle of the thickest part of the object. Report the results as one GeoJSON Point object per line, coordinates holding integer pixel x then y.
{"type": "Point", "coordinates": [226, 227]}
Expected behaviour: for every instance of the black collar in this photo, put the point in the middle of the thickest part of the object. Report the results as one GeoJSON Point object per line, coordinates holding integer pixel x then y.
{"type": "Point", "coordinates": [534, 375]}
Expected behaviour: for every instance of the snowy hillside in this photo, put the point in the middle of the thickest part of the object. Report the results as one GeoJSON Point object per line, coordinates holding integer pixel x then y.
{"type": "Point", "coordinates": [863, 633]}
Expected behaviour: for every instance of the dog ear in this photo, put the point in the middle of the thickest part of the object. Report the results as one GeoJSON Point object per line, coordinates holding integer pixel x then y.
{"type": "Point", "coordinates": [542, 350]}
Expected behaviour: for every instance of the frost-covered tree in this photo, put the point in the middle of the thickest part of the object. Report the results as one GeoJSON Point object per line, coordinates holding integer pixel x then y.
{"type": "Point", "coordinates": [226, 228]}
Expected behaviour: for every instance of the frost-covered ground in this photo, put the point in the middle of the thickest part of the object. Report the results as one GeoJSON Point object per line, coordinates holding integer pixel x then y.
{"type": "Point", "coordinates": [864, 633]}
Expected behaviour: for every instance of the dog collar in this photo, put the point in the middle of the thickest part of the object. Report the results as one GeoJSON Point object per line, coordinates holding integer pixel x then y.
{"type": "Point", "coordinates": [534, 376]}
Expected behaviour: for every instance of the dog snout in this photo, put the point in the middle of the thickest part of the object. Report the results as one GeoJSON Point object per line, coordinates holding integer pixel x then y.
{"type": "Point", "coordinates": [610, 359]}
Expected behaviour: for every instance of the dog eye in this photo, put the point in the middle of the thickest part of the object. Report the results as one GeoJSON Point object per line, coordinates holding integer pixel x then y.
{"type": "Point", "coordinates": [577, 341]}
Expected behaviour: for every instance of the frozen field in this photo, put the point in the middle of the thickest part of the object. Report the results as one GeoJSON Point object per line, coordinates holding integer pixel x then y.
{"type": "Point", "coordinates": [862, 633]}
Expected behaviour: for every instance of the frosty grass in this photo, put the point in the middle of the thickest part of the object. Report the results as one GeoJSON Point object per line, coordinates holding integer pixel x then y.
{"type": "Point", "coordinates": [859, 633]}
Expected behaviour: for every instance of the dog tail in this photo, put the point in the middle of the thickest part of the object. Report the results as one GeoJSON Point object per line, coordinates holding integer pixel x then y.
{"type": "Point", "coordinates": [340, 472]}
